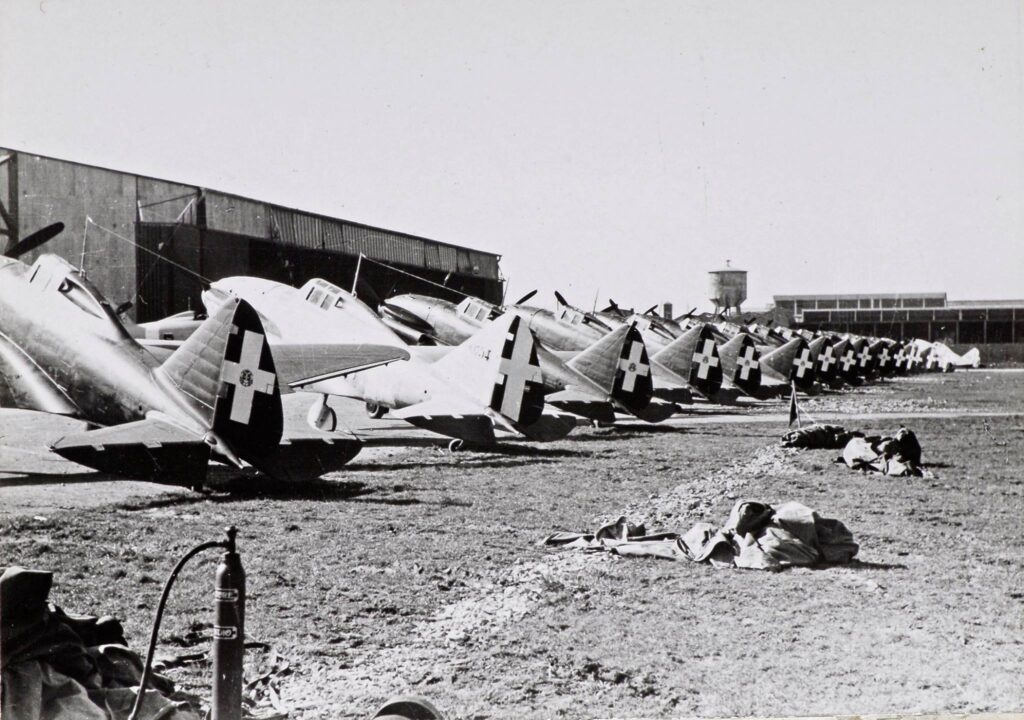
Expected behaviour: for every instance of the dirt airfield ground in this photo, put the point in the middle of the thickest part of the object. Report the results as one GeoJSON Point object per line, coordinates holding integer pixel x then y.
{"type": "Point", "coordinates": [419, 571]}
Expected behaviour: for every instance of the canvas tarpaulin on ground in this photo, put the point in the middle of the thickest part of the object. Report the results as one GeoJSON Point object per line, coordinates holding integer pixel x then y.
{"type": "Point", "coordinates": [755, 536]}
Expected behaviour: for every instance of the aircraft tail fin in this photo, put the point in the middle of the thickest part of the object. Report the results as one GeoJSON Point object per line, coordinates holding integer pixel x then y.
{"type": "Point", "coordinates": [694, 355]}
{"type": "Point", "coordinates": [619, 364]}
{"type": "Point", "coordinates": [742, 362]}
{"type": "Point", "coordinates": [792, 361]}
{"type": "Point", "coordinates": [227, 369]}
{"type": "Point", "coordinates": [499, 369]}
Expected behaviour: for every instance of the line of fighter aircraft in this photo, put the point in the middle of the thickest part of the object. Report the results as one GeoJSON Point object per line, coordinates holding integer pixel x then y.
{"type": "Point", "coordinates": [163, 399]}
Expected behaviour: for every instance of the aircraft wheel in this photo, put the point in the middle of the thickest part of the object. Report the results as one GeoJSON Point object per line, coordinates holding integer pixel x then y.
{"type": "Point", "coordinates": [321, 416]}
{"type": "Point", "coordinates": [375, 410]}
{"type": "Point", "coordinates": [407, 707]}
{"type": "Point", "coordinates": [456, 445]}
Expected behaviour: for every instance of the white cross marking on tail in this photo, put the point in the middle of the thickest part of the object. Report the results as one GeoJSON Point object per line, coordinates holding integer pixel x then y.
{"type": "Point", "coordinates": [516, 372]}
{"type": "Point", "coordinates": [826, 358]}
{"type": "Point", "coordinates": [883, 357]}
{"type": "Point", "coordinates": [705, 359]}
{"type": "Point", "coordinates": [864, 356]}
{"type": "Point", "coordinates": [803, 363]}
{"type": "Point", "coordinates": [932, 360]}
{"type": "Point", "coordinates": [900, 357]}
{"type": "Point", "coordinates": [746, 362]}
{"type": "Point", "coordinates": [247, 377]}
{"type": "Point", "coordinates": [848, 360]}
{"type": "Point", "coordinates": [633, 367]}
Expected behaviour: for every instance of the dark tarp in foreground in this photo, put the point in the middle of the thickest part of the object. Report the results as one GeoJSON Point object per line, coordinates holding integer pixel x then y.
{"type": "Point", "coordinates": [59, 666]}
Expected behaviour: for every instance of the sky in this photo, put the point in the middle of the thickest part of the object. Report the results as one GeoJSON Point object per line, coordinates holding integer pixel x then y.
{"type": "Point", "coordinates": [604, 149]}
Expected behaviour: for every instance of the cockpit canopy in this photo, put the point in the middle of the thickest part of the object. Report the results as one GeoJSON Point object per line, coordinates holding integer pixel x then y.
{"type": "Point", "coordinates": [52, 273]}
{"type": "Point", "coordinates": [475, 310]}
{"type": "Point", "coordinates": [323, 294]}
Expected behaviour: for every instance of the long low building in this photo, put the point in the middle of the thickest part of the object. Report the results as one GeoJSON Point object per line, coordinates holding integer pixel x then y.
{"type": "Point", "coordinates": [924, 315]}
{"type": "Point", "coordinates": [153, 242]}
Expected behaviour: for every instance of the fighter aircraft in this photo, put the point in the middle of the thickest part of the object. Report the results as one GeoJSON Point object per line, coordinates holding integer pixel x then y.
{"type": "Point", "coordinates": [562, 336]}
{"type": "Point", "coordinates": [64, 350]}
{"type": "Point", "coordinates": [937, 356]}
{"type": "Point", "coordinates": [491, 380]}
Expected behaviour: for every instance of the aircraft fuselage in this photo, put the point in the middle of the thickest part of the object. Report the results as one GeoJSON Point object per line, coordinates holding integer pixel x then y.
{"type": "Point", "coordinates": [66, 330]}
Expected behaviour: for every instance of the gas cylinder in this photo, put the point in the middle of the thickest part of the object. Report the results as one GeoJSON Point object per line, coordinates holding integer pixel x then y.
{"type": "Point", "coordinates": [228, 634]}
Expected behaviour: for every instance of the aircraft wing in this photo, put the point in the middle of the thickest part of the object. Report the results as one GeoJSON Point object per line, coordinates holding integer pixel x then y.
{"type": "Point", "coordinates": [147, 449]}
{"type": "Point", "coordinates": [25, 386]}
{"type": "Point", "coordinates": [302, 365]}
{"type": "Point", "coordinates": [450, 417]}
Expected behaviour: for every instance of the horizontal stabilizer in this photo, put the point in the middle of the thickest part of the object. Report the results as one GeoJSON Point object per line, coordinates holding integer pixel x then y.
{"type": "Point", "coordinates": [551, 426]}
{"type": "Point", "coordinates": [24, 385]}
{"type": "Point", "coordinates": [657, 411]}
{"type": "Point", "coordinates": [142, 450]}
{"type": "Point", "coordinates": [302, 365]}
{"type": "Point", "coordinates": [582, 404]}
{"type": "Point", "coordinates": [442, 417]}
{"type": "Point", "coordinates": [298, 459]}
{"type": "Point", "coordinates": [670, 386]}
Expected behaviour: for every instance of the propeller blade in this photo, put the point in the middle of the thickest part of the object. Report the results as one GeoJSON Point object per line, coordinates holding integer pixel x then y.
{"type": "Point", "coordinates": [30, 243]}
{"type": "Point", "coordinates": [650, 310]}
{"type": "Point", "coordinates": [561, 300]}
{"type": "Point", "coordinates": [690, 314]}
{"type": "Point", "coordinates": [525, 297]}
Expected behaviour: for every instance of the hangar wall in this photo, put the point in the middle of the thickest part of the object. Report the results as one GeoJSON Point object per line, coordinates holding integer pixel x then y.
{"type": "Point", "coordinates": [212, 234]}
{"type": "Point", "coordinates": [926, 315]}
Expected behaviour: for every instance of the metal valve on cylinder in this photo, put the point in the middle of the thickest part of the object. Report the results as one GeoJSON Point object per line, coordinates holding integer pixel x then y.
{"type": "Point", "coordinates": [228, 633]}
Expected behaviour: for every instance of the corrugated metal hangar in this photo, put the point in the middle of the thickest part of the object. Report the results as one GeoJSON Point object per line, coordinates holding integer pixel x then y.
{"type": "Point", "coordinates": [924, 315]}
{"type": "Point", "coordinates": [149, 236]}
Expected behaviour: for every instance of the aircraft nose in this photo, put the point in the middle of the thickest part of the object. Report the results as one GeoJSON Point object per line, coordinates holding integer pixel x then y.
{"type": "Point", "coordinates": [413, 317]}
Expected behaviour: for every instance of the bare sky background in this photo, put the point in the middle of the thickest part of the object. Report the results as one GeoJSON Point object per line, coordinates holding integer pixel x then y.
{"type": "Point", "coordinates": [624, 148]}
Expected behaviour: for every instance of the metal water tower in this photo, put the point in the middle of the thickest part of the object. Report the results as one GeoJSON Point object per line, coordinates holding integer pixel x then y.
{"type": "Point", "coordinates": [728, 288]}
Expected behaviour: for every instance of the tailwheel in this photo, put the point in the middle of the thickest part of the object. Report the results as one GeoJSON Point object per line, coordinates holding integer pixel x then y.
{"type": "Point", "coordinates": [456, 445]}
{"type": "Point", "coordinates": [375, 410]}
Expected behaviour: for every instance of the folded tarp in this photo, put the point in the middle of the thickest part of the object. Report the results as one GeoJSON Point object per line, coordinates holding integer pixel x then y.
{"type": "Point", "coordinates": [899, 455]}
{"type": "Point", "coordinates": [818, 437]}
{"type": "Point", "coordinates": [755, 536]}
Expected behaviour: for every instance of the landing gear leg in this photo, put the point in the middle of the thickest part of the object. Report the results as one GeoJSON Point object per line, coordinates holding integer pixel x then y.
{"type": "Point", "coordinates": [321, 416]}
